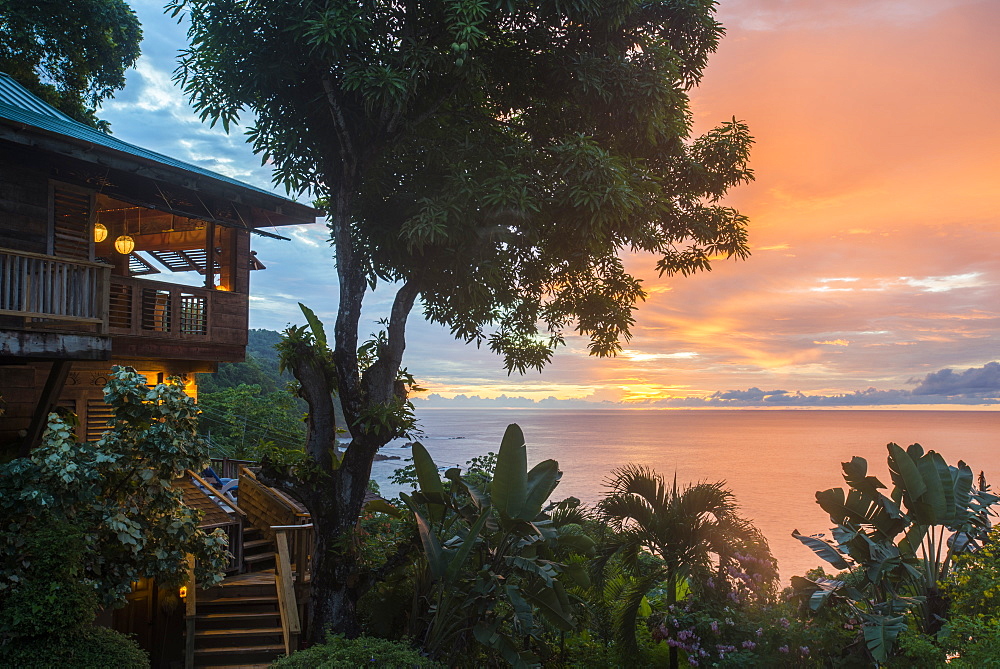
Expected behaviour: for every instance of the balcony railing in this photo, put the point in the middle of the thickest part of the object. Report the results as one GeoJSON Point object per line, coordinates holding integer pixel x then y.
{"type": "Point", "coordinates": [48, 291]}
{"type": "Point", "coordinates": [144, 308]}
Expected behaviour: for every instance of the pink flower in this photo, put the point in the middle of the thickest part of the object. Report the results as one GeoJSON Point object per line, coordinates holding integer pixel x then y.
{"type": "Point", "coordinates": [783, 649]}
{"type": "Point", "coordinates": [715, 626]}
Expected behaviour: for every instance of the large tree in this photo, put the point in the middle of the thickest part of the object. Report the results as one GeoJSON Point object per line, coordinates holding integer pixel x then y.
{"type": "Point", "coordinates": [489, 157]}
{"type": "Point", "coordinates": [73, 54]}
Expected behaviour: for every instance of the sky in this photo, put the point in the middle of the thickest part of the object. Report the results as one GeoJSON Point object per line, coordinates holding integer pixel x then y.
{"type": "Point", "coordinates": [874, 278]}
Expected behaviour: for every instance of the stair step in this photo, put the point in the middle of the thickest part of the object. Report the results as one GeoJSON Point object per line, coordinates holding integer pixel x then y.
{"type": "Point", "coordinates": [257, 543]}
{"type": "Point", "coordinates": [259, 557]}
{"type": "Point", "coordinates": [242, 650]}
{"type": "Point", "coordinates": [225, 601]}
{"type": "Point", "coordinates": [237, 616]}
{"type": "Point", "coordinates": [251, 631]}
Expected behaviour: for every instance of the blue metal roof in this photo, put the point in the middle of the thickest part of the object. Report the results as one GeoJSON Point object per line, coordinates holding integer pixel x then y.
{"type": "Point", "coordinates": [22, 107]}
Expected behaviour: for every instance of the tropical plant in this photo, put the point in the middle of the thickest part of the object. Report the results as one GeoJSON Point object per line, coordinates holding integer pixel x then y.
{"type": "Point", "coordinates": [491, 556]}
{"type": "Point", "coordinates": [701, 541]}
{"type": "Point", "coordinates": [487, 161]}
{"type": "Point", "coordinates": [118, 491]}
{"type": "Point", "coordinates": [899, 546]}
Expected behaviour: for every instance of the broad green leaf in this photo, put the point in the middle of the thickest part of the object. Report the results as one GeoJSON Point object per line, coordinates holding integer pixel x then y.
{"type": "Point", "coordinates": [432, 547]}
{"type": "Point", "coordinates": [457, 561]}
{"type": "Point", "coordinates": [542, 480]}
{"type": "Point", "coordinates": [553, 605]}
{"type": "Point", "coordinates": [510, 478]}
{"type": "Point", "coordinates": [319, 334]}
{"type": "Point", "coordinates": [934, 508]}
{"type": "Point", "coordinates": [905, 475]}
{"type": "Point", "coordinates": [823, 549]}
{"type": "Point", "coordinates": [880, 635]}
{"type": "Point", "coordinates": [426, 470]}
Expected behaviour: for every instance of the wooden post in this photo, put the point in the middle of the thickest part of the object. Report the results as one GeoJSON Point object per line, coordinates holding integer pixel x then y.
{"type": "Point", "coordinates": [210, 256]}
{"type": "Point", "coordinates": [287, 603]}
{"type": "Point", "coordinates": [190, 612]}
{"type": "Point", "coordinates": [50, 393]}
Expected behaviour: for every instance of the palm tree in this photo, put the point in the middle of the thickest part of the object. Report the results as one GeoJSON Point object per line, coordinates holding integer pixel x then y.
{"type": "Point", "coordinates": [697, 534]}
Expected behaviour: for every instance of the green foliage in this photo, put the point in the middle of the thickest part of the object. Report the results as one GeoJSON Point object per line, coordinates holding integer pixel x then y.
{"type": "Point", "coordinates": [498, 155]}
{"type": "Point", "coordinates": [86, 647]}
{"type": "Point", "coordinates": [118, 491]}
{"type": "Point", "coordinates": [490, 160]}
{"type": "Point", "coordinates": [49, 595]}
{"type": "Point", "coordinates": [245, 422]}
{"type": "Point", "coordinates": [341, 653]}
{"type": "Point", "coordinates": [696, 533]}
{"type": "Point", "coordinates": [73, 55]}
{"type": "Point", "coordinates": [897, 544]}
{"type": "Point", "coordinates": [494, 579]}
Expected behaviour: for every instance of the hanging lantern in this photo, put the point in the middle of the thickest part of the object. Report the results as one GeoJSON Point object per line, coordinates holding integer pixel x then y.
{"type": "Point", "coordinates": [124, 245]}
{"type": "Point", "coordinates": [100, 232]}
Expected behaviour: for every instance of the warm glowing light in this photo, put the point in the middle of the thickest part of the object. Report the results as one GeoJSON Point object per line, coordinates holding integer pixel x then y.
{"type": "Point", "coordinates": [183, 592]}
{"type": "Point", "coordinates": [221, 288]}
{"type": "Point", "coordinates": [124, 245]}
{"type": "Point", "coordinates": [100, 232]}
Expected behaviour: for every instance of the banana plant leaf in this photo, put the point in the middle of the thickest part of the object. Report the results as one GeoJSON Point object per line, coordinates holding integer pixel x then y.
{"type": "Point", "coordinates": [457, 561]}
{"type": "Point", "coordinates": [819, 591]}
{"type": "Point", "coordinates": [935, 472]}
{"type": "Point", "coordinates": [522, 609]}
{"type": "Point", "coordinates": [489, 635]}
{"type": "Point", "coordinates": [905, 475]}
{"type": "Point", "coordinates": [553, 605]}
{"type": "Point", "coordinates": [432, 547]}
{"type": "Point", "coordinates": [316, 325]}
{"type": "Point", "coordinates": [824, 550]}
{"type": "Point", "coordinates": [881, 633]}
{"type": "Point", "coordinates": [541, 481]}
{"type": "Point", "coordinates": [856, 476]}
{"type": "Point", "coordinates": [430, 483]}
{"type": "Point", "coordinates": [510, 478]}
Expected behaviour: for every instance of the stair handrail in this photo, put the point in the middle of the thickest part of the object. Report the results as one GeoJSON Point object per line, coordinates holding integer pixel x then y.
{"type": "Point", "coordinates": [290, 580]}
{"type": "Point", "coordinates": [224, 499]}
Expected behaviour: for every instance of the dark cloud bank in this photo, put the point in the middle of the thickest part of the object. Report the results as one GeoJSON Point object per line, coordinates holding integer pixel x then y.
{"type": "Point", "coordinates": [974, 386]}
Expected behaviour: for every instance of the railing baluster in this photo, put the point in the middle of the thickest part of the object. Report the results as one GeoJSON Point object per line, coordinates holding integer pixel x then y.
{"type": "Point", "coordinates": [40, 287]}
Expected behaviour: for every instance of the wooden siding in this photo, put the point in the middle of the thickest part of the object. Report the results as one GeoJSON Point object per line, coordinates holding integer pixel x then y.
{"type": "Point", "coordinates": [24, 205]}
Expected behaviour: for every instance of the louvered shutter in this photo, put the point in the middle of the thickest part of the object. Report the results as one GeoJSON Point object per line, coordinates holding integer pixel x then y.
{"type": "Point", "coordinates": [71, 209]}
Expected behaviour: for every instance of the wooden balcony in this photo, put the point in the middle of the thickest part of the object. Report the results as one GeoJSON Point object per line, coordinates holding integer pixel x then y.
{"type": "Point", "coordinates": [166, 320]}
{"type": "Point", "coordinates": [50, 292]}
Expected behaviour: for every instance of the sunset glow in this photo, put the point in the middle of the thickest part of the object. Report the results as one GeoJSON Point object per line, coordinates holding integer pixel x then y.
{"type": "Point", "coordinates": [874, 226]}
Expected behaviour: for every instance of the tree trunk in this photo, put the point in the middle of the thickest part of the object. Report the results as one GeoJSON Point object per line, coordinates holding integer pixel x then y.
{"type": "Point", "coordinates": [333, 487]}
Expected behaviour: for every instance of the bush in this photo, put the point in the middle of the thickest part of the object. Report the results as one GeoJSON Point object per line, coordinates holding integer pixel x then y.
{"type": "Point", "coordinates": [82, 648]}
{"type": "Point", "coordinates": [341, 653]}
{"type": "Point", "coordinates": [43, 593]}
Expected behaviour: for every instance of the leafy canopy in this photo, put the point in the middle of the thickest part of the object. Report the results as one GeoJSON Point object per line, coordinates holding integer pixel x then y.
{"type": "Point", "coordinates": [497, 155]}
{"type": "Point", "coordinates": [71, 54]}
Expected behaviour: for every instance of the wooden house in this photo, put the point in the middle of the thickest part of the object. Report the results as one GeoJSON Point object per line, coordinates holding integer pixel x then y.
{"type": "Point", "coordinates": [113, 255]}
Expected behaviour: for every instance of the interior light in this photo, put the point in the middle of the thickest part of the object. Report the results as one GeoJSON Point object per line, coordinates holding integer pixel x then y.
{"type": "Point", "coordinates": [100, 232]}
{"type": "Point", "coordinates": [183, 592]}
{"type": "Point", "coordinates": [124, 245]}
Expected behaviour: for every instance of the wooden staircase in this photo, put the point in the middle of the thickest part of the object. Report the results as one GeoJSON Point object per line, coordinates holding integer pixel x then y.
{"type": "Point", "coordinates": [238, 623]}
{"type": "Point", "coordinates": [252, 618]}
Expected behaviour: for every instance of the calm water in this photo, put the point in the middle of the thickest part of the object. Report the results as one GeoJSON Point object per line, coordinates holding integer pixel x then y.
{"type": "Point", "coordinates": [774, 461]}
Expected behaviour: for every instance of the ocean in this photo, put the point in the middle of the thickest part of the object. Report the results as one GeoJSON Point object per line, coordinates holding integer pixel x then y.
{"type": "Point", "coordinates": [774, 461]}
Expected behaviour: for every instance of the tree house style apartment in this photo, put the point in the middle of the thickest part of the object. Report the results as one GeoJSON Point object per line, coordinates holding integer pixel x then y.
{"type": "Point", "coordinates": [113, 255]}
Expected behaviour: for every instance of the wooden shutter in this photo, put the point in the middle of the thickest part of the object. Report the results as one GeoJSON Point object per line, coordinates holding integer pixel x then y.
{"type": "Point", "coordinates": [71, 210]}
